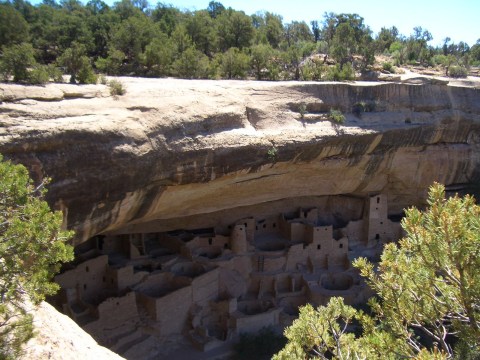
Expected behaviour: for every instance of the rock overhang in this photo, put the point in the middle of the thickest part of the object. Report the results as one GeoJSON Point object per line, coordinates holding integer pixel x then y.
{"type": "Point", "coordinates": [174, 149]}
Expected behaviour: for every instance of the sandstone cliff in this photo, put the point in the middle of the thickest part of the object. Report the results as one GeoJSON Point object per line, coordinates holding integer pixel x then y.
{"type": "Point", "coordinates": [177, 154]}
{"type": "Point", "coordinates": [59, 338]}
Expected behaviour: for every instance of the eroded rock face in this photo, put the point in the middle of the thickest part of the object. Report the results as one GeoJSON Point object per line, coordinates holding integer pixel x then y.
{"type": "Point", "coordinates": [179, 154]}
{"type": "Point", "coordinates": [271, 199]}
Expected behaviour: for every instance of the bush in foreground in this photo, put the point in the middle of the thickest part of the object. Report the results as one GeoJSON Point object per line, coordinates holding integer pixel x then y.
{"type": "Point", "coordinates": [428, 294]}
{"type": "Point", "coordinates": [32, 248]}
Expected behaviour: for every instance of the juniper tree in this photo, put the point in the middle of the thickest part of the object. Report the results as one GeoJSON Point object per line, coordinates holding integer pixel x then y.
{"type": "Point", "coordinates": [32, 247]}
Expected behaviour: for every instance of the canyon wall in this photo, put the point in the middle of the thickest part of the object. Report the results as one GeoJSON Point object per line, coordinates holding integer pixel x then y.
{"type": "Point", "coordinates": [175, 154]}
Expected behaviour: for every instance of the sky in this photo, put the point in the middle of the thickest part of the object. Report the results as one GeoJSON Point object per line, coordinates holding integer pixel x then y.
{"type": "Point", "coordinates": [457, 19]}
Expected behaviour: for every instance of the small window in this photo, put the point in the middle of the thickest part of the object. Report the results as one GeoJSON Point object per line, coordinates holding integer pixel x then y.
{"type": "Point", "coordinates": [240, 229]}
{"type": "Point", "coordinates": [378, 199]}
{"type": "Point", "coordinates": [381, 222]}
{"type": "Point", "coordinates": [210, 241]}
{"type": "Point", "coordinates": [319, 247]}
{"type": "Point", "coordinates": [340, 246]}
{"type": "Point", "coordinates": [274, 225]}
{"type": "Point", "coordinates": [256, 227]}
{"type": "Point", "coordinates": [376, 208]}
{"type": "Point", "coordinates": [84, 286]}
{"type": "Point", "coordinates": [118, 303]}
{"type": "Point", "coordinates": [87, 269]}
{"type": "Point", "coordinates": [264, 226]}
{"type": "Point", "coordinates": [326, 229]}
{"type": "Point", "coordinates": [245, 224]}
{"type": "Point", "coordinates": [377, 236]}
{"type": "Point", "coordinates": [225, 246]}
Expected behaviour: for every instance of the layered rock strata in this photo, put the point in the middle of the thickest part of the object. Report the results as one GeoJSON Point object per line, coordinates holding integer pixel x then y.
{"type": "Point", "coordinates": [204, 209]}
{"type": "Point", "coordinates": [183, 154]}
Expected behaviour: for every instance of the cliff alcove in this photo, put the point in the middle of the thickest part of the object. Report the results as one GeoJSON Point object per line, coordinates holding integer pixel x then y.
{"type": "Point", "coordinates": [204, 209]}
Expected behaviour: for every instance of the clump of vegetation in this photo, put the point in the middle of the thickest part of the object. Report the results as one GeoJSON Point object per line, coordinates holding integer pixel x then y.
{"type": "Point", "coordinates": [427, 294]}
{"type": "Point", "coordinates": [363, 107]}
{"type": "Point", "coordinates": [336, 116]}
{"type": "Point", "coordinates": [387, 66]}
{"type": "Point", "coordinates": [302, 110]}
{"type": "Point", "coordinates": [457, 72]}
{"type": "Point", "coordinates": [116, 88]}
{"type": "Point", "coordinates": [32, 248]}
{"type": "Point", "coordinates": [77, 64]}
{"type": "Point", "coordinates": [261, 345]}
{"type": "Point", "coordinates": [102, 79]}
{"type": "Point", "coordinates": [340, 73]}
{"type": "Point", "coordinates": [163, 40]}
{"type": "Point", "coordinates": [272, 153]}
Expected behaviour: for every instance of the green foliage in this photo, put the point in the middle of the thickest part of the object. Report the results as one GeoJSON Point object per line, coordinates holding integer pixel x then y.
{"type": "Point", "coordinates": [234, 29]}
{"type": "Point", "coordinates": [54, 73]}
{"type": "Point", "coordinates": [192, 64]}
{"type": "Point", "coordinates": [340, 73]}
{"type": "Point", "coordinates": [234, 64]}
{"type": "Point", "coordinates": [158, 56]}
{"type": "Point", "coordinates": [272, 153]}
{"type": "Point", "coordinates": [131, 38]}
{"type": "Point", "coordinates": [457, 72]}
{"type": "Point", "coordinates": [313, 69]}
{"type": "Point", "coordinates": [32, 247]}
{"type": "Point", "coordinates": [116, 88]}
{"type": "Point", "coordinates": [322, 332]}
{"type": "Point", "coordinates": [362, 107]}
{"type": "Point", "coordinates": [387, 66]}
{"type": "Point", "coordinates": [261, 58]}
{"type": "Point", "coordinates": [200, 28]}
{"type": "Point", "coordinates": [85, 73]}
{"type": "Point", "coordinates": [385, 39]}
{"type": "Point", "coordinates": [112, 64]}
{"type": "Point", "coordinates": [427, 285]}
{"type": "Point", "coordinates": [77, 64]}
{"type": "Point", "coordinates": [16, 61]}
{"type": "Point", "coordinates": [39, 75]}
{"type": "Point", "coordinates": [13, 27]}
{"type": "Point", "coordinates": [259, 346]}
{"type": "Point", "coordinates": [336, 116]}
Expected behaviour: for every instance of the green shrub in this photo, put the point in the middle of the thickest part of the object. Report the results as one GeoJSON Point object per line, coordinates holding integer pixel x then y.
{"type": "Point", "coordinates": [85, 73]}
{"type": "Point", "coordinates": [363, 106]}
{"type": "Point", "coordinates": [457, 72]}
{"type": "Point", "coordinates": [16, 61]}
{"type": "Point", "coordinates": [32, 248]}
{"type": "Point", "coordinates": [55, 73]}
{"type": "Point", "coordinates": [272, 153]}
{"type": "Point", "coordinates": [302, 109]}
{"type": "Point", "coordinates": [116, 88]}
{"type": "Point", "coordinates": [387, 66]}
{"type": "Point", "coordinates": [39, 75]}
{"type": "Point", "coordinates": [336, 116]}
{"type": "Point", "coordinates": [439, 59]}
{"type": "Point", "coordinates": [341, 73]}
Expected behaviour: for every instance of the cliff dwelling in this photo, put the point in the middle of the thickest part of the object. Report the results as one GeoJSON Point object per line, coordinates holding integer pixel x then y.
{"type": "Point", "coordinates": [218, 212]}
{"type": "Point", "coordinates": [134, 291]}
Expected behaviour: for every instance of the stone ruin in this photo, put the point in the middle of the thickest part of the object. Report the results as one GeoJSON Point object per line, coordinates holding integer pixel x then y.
{"type": "Point", "coordinates": [132, 291]}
